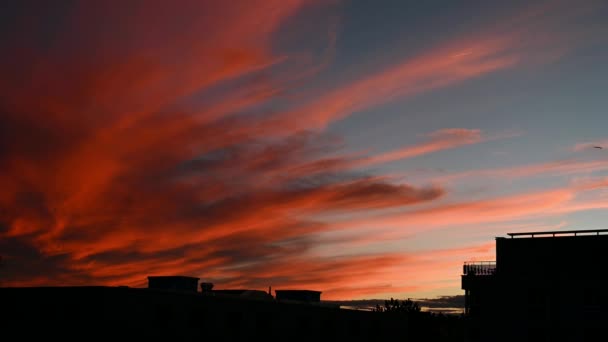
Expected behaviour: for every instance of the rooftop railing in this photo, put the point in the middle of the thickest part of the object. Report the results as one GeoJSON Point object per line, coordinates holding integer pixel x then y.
{"type": "Point", "coordinates": [561, 233]}
{"type": "Point", "coordinates": [482, 268]}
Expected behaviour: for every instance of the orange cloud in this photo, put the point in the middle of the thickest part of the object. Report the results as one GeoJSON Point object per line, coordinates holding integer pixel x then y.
{"type": "Point", "coordinates": [441, 67]}
{"type": "Point", "coordinates": [471, 212]}
{"type": "Point", "coordinates": [138, 141]}
{"type": "Point", "coordinates": [488, 50]}
{"type": "Point", "coordinates": [520, 206]}
{"type": "Point", "coordinates": [439, 140]}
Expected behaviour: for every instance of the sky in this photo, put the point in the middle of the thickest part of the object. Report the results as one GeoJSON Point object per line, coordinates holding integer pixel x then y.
{"type": "Point", "coordinates": [365, 149]}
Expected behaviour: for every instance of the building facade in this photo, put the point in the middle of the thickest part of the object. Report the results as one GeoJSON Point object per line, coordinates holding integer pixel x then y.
{"type": "Point", "coordinates": [543, 286]}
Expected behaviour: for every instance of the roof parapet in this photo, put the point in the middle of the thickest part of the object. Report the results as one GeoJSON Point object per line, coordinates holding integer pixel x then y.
{"type": "Point", "coordinates": [560, 233]}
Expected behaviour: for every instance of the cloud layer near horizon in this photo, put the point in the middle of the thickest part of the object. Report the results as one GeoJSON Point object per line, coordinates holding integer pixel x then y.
{"type": "Point", "coordinates": [175, 142]}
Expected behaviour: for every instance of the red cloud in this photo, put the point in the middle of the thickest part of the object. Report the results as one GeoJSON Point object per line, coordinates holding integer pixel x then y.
{"type": "Point", "coordinates": [136, 140]}
{"type": "Point", "coordinates": [109, 174]}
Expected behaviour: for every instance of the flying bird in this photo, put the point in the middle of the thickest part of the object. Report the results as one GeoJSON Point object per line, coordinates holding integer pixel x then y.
{"type": "Point", "coordinates": [598, 147]}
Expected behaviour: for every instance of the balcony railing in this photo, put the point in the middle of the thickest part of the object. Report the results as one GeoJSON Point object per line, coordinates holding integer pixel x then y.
{"type": "Point", "coordinates": [481, 268]}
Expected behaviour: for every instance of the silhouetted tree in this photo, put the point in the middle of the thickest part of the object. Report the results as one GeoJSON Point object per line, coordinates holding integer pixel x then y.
{"type": "Point", "coordinates": [395, 305]}
{"type": "Point", "coordinates": [424, 325]}
{"type": "Point", "coordinates": [378, 308]}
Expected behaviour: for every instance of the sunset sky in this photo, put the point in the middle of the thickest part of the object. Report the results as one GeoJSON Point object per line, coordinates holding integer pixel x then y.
{"type": "Point", "coordinates": [365, 149]}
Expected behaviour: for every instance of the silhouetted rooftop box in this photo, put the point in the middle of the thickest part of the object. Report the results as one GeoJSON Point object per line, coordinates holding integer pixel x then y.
{"type": "Point", "coordinates": [175, 283]}
{"type": "Point", "coordinates": [299, 295]}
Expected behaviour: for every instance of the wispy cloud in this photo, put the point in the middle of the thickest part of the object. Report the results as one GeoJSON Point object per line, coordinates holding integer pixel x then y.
{"type": "Point", "coordinates": [439, 68]}
{"type": "Point", "coordinates": [532, 205]}
{"type": "Point", "coordinates": [551, 168]}
{"type": "Point", "coordinates": [118, 180]}
{"type": "Point", "coordinates": [161, 139]}
{"type": "Point", "coordinates": [439, 140]}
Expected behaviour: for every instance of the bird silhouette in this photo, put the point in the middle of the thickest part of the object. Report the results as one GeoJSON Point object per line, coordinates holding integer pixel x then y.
{"type": "Point", "coordinates": [598, 147]}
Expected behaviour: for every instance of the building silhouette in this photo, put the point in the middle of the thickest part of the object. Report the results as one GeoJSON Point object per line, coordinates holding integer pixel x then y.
{"type": "Point", "coordinates": [543, 286]}
{"type": "Point", "coordinates": [168, 310]}
{"type": "Point", "coordinates": [177, 283]}
{"type": "Point", "coordinates": [307, 296]}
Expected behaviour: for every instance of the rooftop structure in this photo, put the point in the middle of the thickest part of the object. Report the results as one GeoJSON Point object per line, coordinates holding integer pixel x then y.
{"type": "Point", "coordinates": [174, 283]}
{"type": "Point", "coordinates": [543, 286]}
{"type": "Point", "coordinates": [244, 293]}
{"type": "Point", "coordinates": [560, 233]}
{"type": "Point", "coordinates": [308, 296]}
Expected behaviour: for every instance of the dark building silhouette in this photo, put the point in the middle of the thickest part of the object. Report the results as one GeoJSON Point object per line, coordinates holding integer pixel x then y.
{"type": "Point", "coordinates": [307, 296]}
{"type": "Point", "coordinates": [176, 283]}
{"type": "Point", "coordinates": [543, 286]}
{"type": "Point", "coordinates": [174, 312]}
{"type": "Point", "coordinates": [243, 293]}
{"type": "Point", "coordinates": [206, 287]}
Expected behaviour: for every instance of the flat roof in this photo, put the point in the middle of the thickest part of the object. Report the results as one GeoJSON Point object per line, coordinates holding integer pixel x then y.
{"type": "Point", "coordinates": [554, 233]}
{"type": "Point", "coordinates": [172, 277]}
{"type": "Point", "coordinates": [301, 291]}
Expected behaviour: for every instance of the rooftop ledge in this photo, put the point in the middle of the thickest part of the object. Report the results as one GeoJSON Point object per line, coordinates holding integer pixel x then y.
{"type": "Point", "coordinates": [560, 233]}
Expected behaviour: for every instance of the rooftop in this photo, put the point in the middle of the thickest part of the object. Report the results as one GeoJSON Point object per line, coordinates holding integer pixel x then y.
{"type": "Point", "coordinates": [172, 277]}
{"type": "Point", "coordinates": [297, 291]}
{"type": "Point", "coordinates": [558, 233]}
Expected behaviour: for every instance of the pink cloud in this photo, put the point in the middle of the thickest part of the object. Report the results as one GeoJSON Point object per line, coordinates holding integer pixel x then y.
{"type": "Point", "coordinates": [474, 212]}
{"type": "Point", "coordinates": [443, 139]}
{"type": "Point", "coordinates": [553, 168]}
{"type": "Point", "coordinates": [443, 66]}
